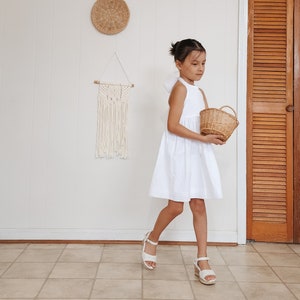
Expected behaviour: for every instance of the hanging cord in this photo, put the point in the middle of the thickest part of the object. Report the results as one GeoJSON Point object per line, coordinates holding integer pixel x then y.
{"type": "Point", "coordinates": [121, 65]}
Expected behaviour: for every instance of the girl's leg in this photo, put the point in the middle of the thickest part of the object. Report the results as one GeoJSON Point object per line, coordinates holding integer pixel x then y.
{"type": "Point", "coordinates": [200, 226]}
{"type": "Point", "coordinates": [169, 213]}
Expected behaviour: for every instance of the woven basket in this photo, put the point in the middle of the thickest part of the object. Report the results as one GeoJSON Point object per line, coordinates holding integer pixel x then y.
{"type": "Point", "coordinates": [110, 16]}
{"type": "Point", "coordinates": [217, 121]}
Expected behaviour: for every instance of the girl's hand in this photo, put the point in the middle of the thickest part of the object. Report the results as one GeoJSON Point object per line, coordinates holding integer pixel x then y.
{"type": "Point", "coordinates": [213, 139]}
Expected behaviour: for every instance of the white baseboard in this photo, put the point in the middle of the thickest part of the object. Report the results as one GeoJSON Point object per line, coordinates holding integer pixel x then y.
{"type": "Point", "coordinates": [110, 235]}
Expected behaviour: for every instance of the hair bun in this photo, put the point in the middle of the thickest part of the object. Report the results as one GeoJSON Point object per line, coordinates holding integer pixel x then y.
{"type": "Point", "coordinates": [173, 48]}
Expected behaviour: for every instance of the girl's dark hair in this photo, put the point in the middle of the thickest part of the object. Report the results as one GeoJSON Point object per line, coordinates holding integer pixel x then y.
{"type": "Point", "coordinates": [181, 49]}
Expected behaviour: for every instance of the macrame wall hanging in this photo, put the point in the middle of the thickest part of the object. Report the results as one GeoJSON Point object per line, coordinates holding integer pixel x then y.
{"type": "Point", "coordinates": [112, 113]}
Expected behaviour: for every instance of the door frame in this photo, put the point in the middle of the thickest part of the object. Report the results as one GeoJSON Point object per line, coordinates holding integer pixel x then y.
{"type": "Point", "coordinates": [241, 130]}
{"type": "Point", "coordinates": [296, 121]}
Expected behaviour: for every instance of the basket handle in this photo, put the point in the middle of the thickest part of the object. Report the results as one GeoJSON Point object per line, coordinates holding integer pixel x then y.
{"type": "Point", "coordinates": [230, 108]}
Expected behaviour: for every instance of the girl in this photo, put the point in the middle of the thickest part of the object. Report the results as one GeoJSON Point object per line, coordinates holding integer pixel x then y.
{"type": "Point", "coordinates": [186, 168]}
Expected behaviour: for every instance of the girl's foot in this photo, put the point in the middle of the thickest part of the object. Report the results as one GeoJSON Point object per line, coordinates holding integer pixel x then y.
{"type": "Point", "coordinates": [149, 252]}
{"type": "Point", "coordinates": [203, 271]}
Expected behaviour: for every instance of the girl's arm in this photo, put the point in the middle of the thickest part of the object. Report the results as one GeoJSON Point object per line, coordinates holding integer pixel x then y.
{"type": "Point", "coordinates": [176, 103]}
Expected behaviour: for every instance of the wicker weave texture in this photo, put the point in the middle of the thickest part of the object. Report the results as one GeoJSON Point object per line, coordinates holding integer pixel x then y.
{"type": "Point", "coordinates": [110, 16]}
{"type": "Point", "coordinates": [219, 122]}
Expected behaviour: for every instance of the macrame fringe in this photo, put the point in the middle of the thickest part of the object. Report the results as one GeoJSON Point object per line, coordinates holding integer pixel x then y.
{"type": "Point", "coordinates": [112, 121]}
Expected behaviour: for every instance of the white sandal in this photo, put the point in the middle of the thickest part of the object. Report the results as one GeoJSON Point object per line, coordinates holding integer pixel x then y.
{"type": "Point", "coordinates": [146, 256]}
{"type": "Point", "coordinates": [202, 274]}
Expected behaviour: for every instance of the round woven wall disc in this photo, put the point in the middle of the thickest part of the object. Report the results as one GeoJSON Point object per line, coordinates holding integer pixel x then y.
{"type": "Point", "coordinates": [110, 16]}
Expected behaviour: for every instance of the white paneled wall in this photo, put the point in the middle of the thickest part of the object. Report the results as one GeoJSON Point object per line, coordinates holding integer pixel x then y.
{"type": "Point", "coordinates": [51, 184]}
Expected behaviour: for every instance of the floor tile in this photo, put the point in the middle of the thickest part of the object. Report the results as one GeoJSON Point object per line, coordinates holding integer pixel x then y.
{"type": "Point", "coordinates": [272, 248]}
{"type": "Point", "coordinates": [218, 291]}
{"type": "Point", "coordinates": [166, 272]}
{"type": "Point", "coordinates": [295, 247]}
{"type": "Point", "coordinates": [192, 248]}
{"type": "Point", "coordinates": [295, 289]}
{"type": "Point", "coordinates": [223, 273]}
{"type": "Point", "coordinates": [39, 255]}
{"type": "Point", "coordinates": [282, 259]}
{"type": "Point", "coordinates": [74, 270]}
{"type": "Point", "coordinates": [167, 289]}
{"type": "Point", "coordinates": [85, 271]}
{"type": "Point", "coordinates": [66, 288]}
{"type": "Point", "coordinates": [20, 288]}
{"type": "Point", "coordinates": [46, 246]}
{"type": "Point", "coordinates": [253, 274]}
{"type": "Point", "coordinates": [119, 271]}
{"type": "Point", "coordinates": [136, 247]}
{"type": "Point", "coordinates": [81, 255]}
{"type": "Point", "coordinates": [214, 256]}
{"type": "Point", "coordinates": [85, 246]}
{"type": "Point", "coordinates": [13, 245]}
{"type": "Point", "coordinates": [237, 249]}
{"type": "Point", "coordinates": [243, 259]}
{"type": "Point", "coordinates": [188, 256]}
{"type": "Point", "coordinates": [161, 248]}
{"type": "Point", "coordinates": [4, 267]}
{"type": "Point", "coordinates": [28, 270]}
{"type": "Point", "coordinates": [116, 289]}
{"type": "Point", "coordinates": [169, 257]}
{"type": "Point", "coordinates": [121, 256]}
{"type": "Point", "coordinates": [266, 291]}
{"type": "Point", "coordinates": [9, 255]}
{"type": "Point", "coordinates": [288, 274]}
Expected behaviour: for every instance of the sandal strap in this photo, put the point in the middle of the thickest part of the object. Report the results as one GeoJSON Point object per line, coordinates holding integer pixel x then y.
{"type": "Point", "coordinates": [146, 239]}
{"type": "Point", "coordinates": [148, 257]}
{"type": "Point", "coordinates": [151, 242]}
{"type": "Point", "coordinates": [205, 273]}
{"type": "Point", "coordinates": [201, 259]}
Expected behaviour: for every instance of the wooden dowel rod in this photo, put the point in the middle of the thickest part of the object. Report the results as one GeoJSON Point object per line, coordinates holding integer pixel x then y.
{"type": "Point", "coordinates": [98, 82]}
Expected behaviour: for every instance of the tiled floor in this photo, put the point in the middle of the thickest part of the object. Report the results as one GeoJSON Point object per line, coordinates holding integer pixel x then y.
{"type": "Point", "coordinates": [94, 271]}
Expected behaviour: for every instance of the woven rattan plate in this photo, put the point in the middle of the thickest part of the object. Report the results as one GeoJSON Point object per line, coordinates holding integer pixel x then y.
{"type": "Point", "coordinates": [110, 16]}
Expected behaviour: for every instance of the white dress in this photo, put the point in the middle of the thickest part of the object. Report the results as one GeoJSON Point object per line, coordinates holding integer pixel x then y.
{"type": "Point", "coordinates": [186, 168]}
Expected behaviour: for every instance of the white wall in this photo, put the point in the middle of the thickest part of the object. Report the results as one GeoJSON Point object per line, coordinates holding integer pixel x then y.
{"type": "Point", "coordinates": [51, 184]}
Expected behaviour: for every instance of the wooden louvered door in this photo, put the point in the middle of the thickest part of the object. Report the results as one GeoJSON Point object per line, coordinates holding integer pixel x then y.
{"type": "Point", "coordinates": [269, 123]}
{"type": "Point", "coordinates": [296, 121]}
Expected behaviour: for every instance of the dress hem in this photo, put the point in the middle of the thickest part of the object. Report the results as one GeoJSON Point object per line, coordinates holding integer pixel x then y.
{"type": "Point", "coordinates": [184, 199]}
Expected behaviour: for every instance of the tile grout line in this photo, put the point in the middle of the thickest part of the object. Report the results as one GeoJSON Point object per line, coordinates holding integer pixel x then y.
{"type": "Point", "coordinates": [235, 280]}
{"type": "Point", "coordinates": [187, 274]}
{"type": "Point", "coordinates": [14, 261]}
{"type": "Point", "coordinates": [284, 283]}
{"type": "Point", "coordinates": [142, 269]}
{"type": "Point", "coordinates": [271, 267]}
{"type": "Point", "coordinates": [95, 277]}
{"type": "Point", "coordinates": [48, 277]}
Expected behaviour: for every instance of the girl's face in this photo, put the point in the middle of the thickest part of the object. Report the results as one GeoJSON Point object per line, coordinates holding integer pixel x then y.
{"type": "Point", "coordinates": [192, 68]}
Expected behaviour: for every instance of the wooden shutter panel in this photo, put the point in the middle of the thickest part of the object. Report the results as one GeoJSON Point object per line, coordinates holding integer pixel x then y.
{"type": "Point", "coordinates": [269, 148]}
